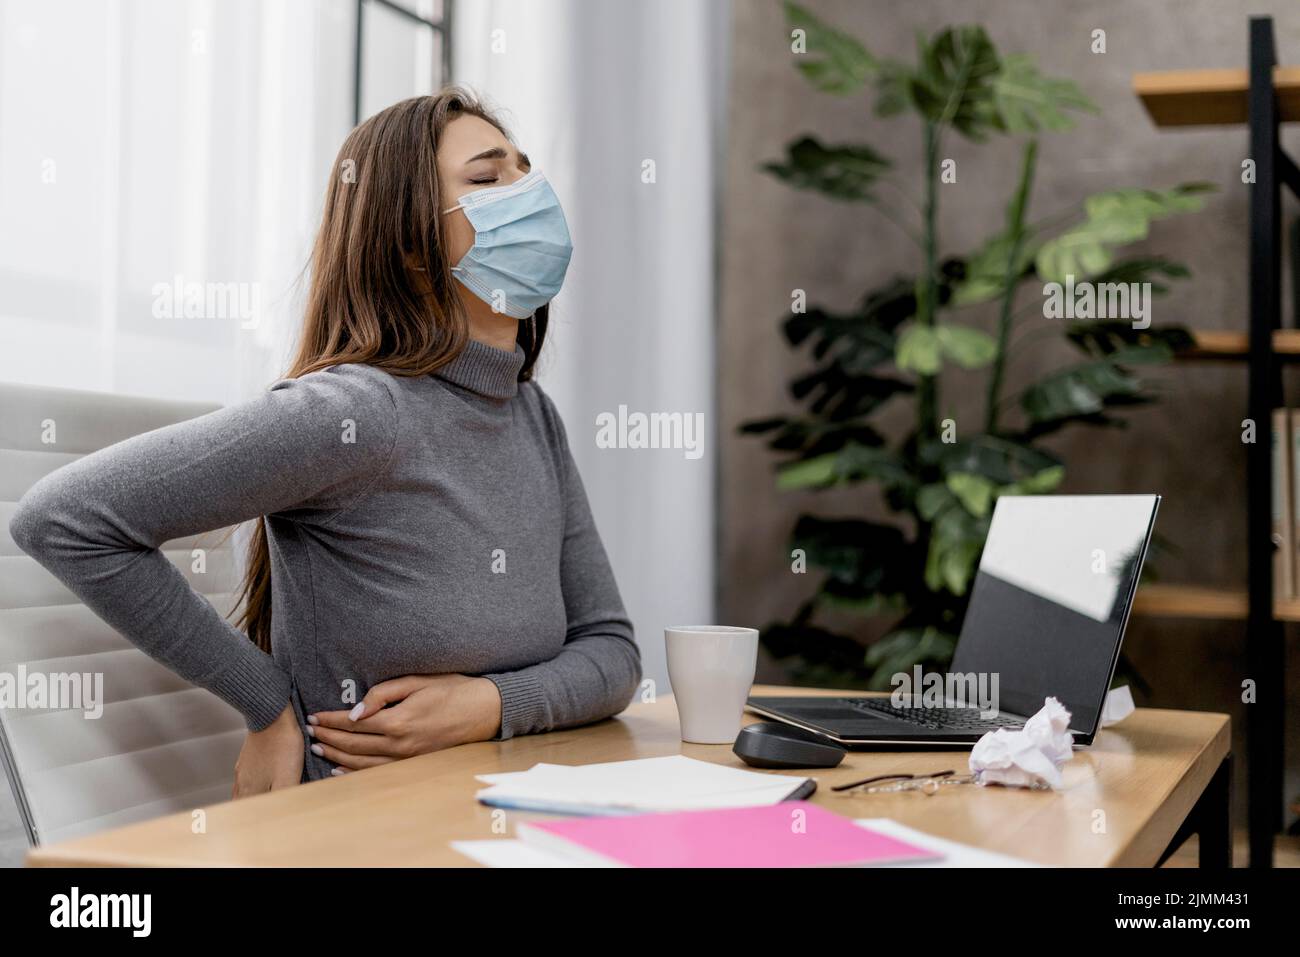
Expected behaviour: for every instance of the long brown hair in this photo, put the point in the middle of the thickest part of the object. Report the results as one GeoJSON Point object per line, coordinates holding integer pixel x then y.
{"type": "Point", "coordinates": [365, 303]}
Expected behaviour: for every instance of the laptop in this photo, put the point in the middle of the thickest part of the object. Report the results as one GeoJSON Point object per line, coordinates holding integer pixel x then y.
{"type": "Point", "coordinates": [1047, 613]}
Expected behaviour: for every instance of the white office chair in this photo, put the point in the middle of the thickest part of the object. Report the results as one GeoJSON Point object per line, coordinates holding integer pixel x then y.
{"type": "Point", "coordinates": [161, 745]}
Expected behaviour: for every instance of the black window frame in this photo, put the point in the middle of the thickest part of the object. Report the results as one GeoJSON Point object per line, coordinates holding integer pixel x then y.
{"type": "Point", "coordinates": [441, 27]}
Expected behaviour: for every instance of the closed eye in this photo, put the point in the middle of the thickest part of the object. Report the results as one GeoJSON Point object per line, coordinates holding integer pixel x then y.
{"type": "Point", "coordinates": [493, 156]}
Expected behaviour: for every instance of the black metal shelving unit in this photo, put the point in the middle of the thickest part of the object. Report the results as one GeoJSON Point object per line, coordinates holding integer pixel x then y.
{"type": "Point", "coordinates": [1265, 651]}
{"type": "Point", "coordinates": [1260, 97]}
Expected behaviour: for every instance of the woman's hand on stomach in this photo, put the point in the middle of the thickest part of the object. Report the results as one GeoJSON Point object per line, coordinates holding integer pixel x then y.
{"type": "Point", "coordinates": [270, 758]}
{"type": "Point", "coordinates": [407, 716]}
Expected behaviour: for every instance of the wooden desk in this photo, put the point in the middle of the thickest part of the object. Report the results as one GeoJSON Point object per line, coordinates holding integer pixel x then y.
{"type": "Point", "coordinates": [1124, 801]}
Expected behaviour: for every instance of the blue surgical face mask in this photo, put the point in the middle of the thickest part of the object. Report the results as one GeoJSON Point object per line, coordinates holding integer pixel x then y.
{"type": "Point", "coordinates": [521, 245]}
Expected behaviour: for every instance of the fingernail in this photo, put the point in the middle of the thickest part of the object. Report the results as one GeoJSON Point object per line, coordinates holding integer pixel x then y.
{"type": "Point", "coordinates": [311, 732]}
{"type": "Point", "coordinates": [337, 772]}
{"type": "Point", "coordinates": [317, 750]}
{"type": "Point", "coordinates": [356, 713]}
{"type": "Point", "coordinates": [311, 719]}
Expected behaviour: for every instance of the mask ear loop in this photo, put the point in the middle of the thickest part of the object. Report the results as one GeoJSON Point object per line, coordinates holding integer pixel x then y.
{"type": "Point", "coordinates": [452, 210]}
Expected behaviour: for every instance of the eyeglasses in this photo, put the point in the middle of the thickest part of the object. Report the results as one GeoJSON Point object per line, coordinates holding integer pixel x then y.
{"type": "Point", "coordinates": [927, 784]}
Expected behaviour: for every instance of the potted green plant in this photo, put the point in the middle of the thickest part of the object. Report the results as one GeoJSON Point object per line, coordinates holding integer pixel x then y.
{"type": "Point", "coordinates": [942, 477]}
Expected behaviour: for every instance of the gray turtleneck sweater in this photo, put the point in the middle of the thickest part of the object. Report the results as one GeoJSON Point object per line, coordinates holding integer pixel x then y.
{"type": "Point", "coordinates": [416, 525]}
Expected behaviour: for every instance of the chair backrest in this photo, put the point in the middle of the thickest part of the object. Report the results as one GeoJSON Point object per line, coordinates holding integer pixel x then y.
{"type": "Point", "coordinates": [161, 745]}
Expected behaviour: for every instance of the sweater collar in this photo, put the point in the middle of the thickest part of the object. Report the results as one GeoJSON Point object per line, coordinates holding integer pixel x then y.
{"type": "Point", "coordinates": [492, 373]}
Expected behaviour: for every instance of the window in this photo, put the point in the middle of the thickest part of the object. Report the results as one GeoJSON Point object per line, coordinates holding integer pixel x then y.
{"type": "Point", "coordinates": [402, 50]}
{"type": "Point", "coordinates": [162, 165]}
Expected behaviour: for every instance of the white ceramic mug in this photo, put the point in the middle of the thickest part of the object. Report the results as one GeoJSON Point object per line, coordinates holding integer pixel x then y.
{"type": "Point", "coordinates": [712, 669]}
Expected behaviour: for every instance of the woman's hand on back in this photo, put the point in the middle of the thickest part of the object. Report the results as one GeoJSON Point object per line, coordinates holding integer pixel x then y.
{"type": "Point", "coordinates": [270, 758]}
{"type": "Point", "coordinates": [407, 716]}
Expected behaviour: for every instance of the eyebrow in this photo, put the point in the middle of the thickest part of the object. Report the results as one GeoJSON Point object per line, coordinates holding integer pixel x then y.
{"type": "Point", "coordinates": [497, 152]}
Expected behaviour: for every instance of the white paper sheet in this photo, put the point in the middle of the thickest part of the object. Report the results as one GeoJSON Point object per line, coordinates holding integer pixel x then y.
{"type": "Point", "coordinates": [510, 852]}
{"type": "Point", "coordinates": [672, 783]}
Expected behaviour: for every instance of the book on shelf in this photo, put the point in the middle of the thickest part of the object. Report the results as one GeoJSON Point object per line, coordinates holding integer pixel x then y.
{"type": "Point", "coordinates": [1294, 485]}
{"type": "Point", "coordinates": [1284, 437]}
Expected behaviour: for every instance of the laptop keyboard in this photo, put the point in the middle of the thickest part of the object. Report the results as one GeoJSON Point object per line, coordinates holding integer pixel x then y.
{"type": "Point", "coordinates": [935, 719]}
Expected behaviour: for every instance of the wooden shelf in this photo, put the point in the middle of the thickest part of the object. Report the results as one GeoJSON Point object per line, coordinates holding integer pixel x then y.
{"type": "Point", "coordinates": [1211, 97]}
{"type": "Point", "coordinates": [1158, 600]}
{"type": "Point", "coordinates": [1191, 98]}
{"type": "Point", "coordinates": [1216, 344]}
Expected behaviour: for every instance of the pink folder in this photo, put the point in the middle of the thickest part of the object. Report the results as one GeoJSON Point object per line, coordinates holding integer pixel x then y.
{"type": "Point", "coordinates": [790, 834]}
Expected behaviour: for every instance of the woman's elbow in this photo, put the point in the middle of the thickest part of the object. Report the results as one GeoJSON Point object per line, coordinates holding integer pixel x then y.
{"type": "Point", "coordinates": [29, 523]}
{"type": "Point", "coordinates": [41, 523]}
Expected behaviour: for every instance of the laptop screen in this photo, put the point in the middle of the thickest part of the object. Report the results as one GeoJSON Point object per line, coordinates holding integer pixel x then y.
{"type": "Point", "coordinates": [1051, 599]}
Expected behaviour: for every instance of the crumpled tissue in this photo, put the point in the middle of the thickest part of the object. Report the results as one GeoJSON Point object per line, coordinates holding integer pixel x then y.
{"type": "Point", "coordinates": [1030, 757]}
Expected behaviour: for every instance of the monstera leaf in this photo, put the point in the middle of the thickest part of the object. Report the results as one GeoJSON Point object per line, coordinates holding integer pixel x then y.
{"type": "Point", "coordinates": [968, 348]}
{"type": "Point", "coordinates": [974, 491]}
{"type": "Point", "coordinates": [959, 509]}
{"type": "Point", "coordinates": [840, 172]}
{"type": "Point", "coordinates": [986, 272]}
{"type": "Point", "coordinates": [956, 534]}
{"type": "Point", "coordinates": [834, 61]}
{"type": "Point", "coordinates": [1000, 460]}
{"type": "Point", "coordinates": [853, 462]}
{"type": "Point", "coordinates": [1144, 270]}
{"type": "Point", "coordinates": [1112, 337]}
{"type": "Point", "coordinates": [1088, 389]}
{"type": "Point", "coordinates": [861, 345]}
{"type": "Point", "coordinates": [922, 349]}
{"type": "Point", "coordinates": [953, 83]}
{"type": "Point", "coordinates": [1026, 101]}
{"type": "Point", "coordinates": [880, 313]}
{"type": "Point", "coordinates": [810, 438]}
{"type": "Point", "coordinates": [839, 394]}
{"type": "Point", "coordinates": [1112, 219]}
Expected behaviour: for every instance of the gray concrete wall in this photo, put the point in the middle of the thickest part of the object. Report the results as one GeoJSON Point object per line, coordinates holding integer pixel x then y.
{"type": "Point", "coordinates": [776, 239]}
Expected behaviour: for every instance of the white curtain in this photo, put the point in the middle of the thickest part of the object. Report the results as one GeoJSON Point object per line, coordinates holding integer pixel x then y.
{"type": "Point", "coordinates": [620, 103]}
{"type": "Point", "coordinates": [147, 144]}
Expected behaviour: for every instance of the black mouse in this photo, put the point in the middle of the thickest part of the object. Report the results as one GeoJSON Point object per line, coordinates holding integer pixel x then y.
{"type": "Point", "coordinates": [770, 744]}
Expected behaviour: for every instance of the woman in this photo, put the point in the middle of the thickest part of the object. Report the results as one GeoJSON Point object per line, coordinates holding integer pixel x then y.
{"type": "Point", "coordinates": [424, 539]}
